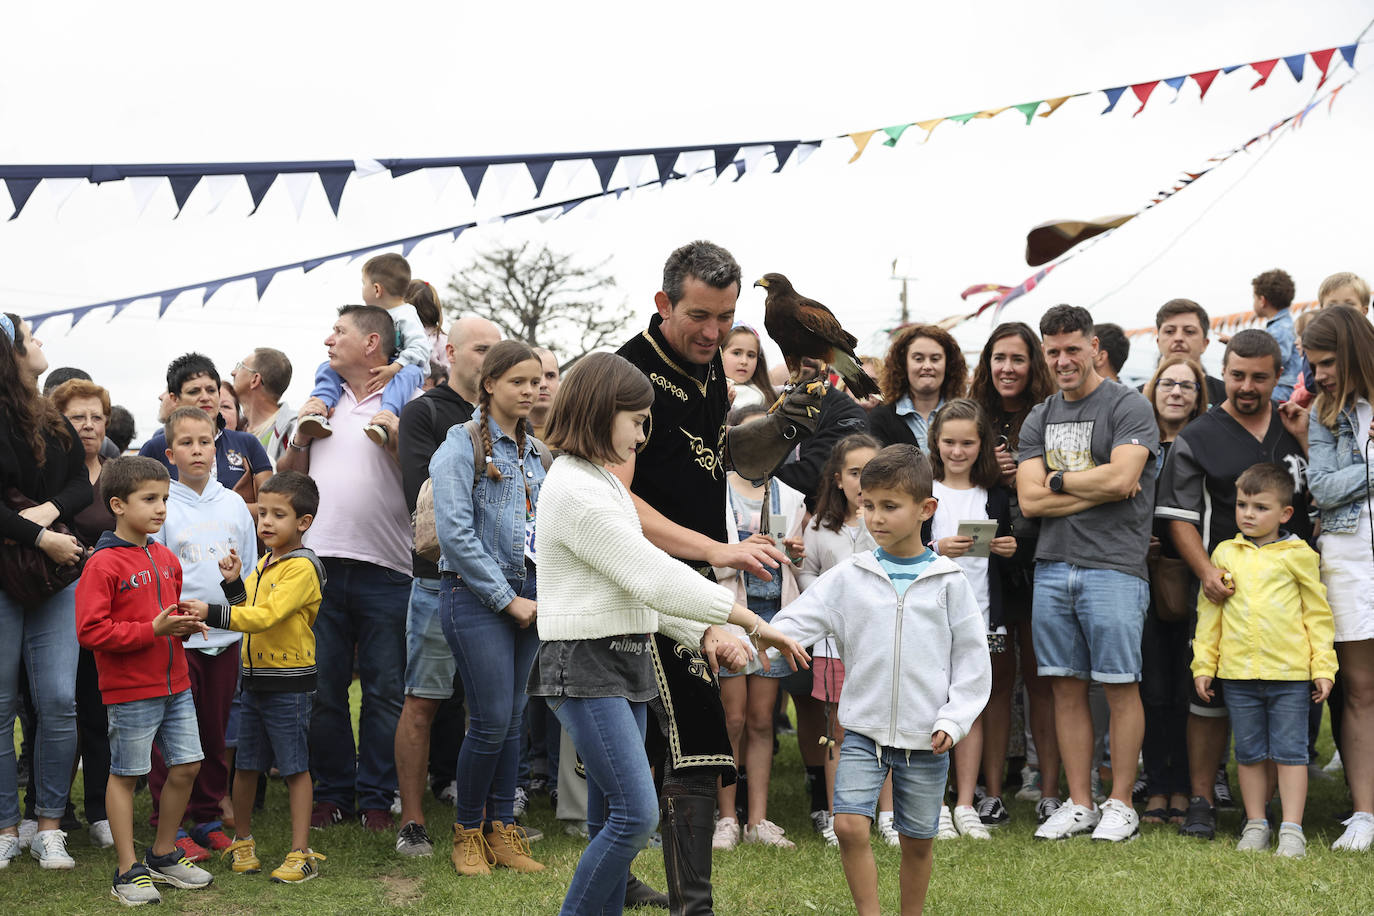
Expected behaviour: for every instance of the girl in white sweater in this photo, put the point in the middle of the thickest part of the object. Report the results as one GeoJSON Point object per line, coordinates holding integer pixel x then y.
{"type": "Point", "coordinates": [603, 589]}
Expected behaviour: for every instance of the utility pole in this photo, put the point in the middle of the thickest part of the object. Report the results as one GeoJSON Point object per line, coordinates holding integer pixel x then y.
{"type": "Point", "coordinates": [906, 309]}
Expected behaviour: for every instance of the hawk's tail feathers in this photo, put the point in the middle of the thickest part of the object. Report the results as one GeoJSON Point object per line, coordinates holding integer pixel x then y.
{"type": "Point", "coordinates": [855, 378]}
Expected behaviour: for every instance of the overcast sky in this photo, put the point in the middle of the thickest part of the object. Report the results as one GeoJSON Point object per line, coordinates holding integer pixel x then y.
{"type": "Point", "coordinates": [259, 81]}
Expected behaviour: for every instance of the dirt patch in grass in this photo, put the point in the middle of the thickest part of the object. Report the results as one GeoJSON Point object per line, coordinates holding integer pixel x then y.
{"type": "Point", "coordinates": [402, 891]}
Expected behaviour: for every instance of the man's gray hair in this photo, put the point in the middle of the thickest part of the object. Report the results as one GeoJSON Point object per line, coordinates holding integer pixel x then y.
{"type": "Point", "coordinates": [707, 261]}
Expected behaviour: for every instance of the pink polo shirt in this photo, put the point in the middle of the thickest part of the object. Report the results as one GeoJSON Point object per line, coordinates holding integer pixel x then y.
{"type": "Point", "coordinates": [362, 507]}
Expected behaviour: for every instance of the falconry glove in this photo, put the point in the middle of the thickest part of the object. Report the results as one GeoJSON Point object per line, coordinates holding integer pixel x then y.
{"type": "Point", "coordinates": [756, 448]}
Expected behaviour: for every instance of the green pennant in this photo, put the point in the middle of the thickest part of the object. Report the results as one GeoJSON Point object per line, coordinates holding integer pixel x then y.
{"type": "Point", "coordinates": [963, 118]}
{"type": "Point", "coordinates": [894, 134]}
{"type": "Point", "coordinates": [1027, 109]}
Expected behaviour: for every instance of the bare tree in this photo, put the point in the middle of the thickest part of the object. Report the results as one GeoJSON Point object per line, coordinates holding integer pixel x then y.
{"type": "Point", "coordinates": [541, 297]}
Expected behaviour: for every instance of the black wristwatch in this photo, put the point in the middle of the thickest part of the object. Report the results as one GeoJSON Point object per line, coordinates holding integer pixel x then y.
{"type": "Point", "coordinates": [1056, 482]}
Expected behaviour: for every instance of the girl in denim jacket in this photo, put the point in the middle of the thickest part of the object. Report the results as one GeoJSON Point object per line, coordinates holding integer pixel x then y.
{"type": "Point", "coordinates": [1340, 345]}
{"type": "Point", "coordinates": [485, 524]}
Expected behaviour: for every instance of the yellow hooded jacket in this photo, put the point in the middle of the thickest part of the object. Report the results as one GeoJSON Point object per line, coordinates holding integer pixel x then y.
{"type": "Point", "coordinates": [277, 608]}
{"type": "Point", "coordinates": [1277, 626]}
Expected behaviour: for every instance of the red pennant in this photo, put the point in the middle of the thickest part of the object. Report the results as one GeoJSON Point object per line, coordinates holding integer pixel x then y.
{"type": "Point", "coordinates": [1204, 81]}
{"type": "Point", "coordinates": [1142, 91]}
{"type": "Point", "coordinates": [1323, 60]}
{"type": "Point", "coordinates": [1263, 68]}
{"type": "Point", "coordinates": [1334, 92]}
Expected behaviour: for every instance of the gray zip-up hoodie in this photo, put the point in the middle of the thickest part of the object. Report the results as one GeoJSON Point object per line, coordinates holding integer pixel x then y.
{"type": "Point", "coordinates": [914, 665]}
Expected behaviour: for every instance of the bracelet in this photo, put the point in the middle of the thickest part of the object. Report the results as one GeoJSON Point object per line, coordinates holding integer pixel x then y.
{"type": "Point", "coordinates": [758, 622]}
{"type": "Point", "coordinates": [291, 444]}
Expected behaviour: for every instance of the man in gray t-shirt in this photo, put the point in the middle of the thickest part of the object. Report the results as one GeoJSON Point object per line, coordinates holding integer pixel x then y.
{"type": "Point", "coordinates": [1087, 458]}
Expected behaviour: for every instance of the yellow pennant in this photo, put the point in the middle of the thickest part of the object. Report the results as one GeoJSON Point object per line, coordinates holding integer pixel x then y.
{"type": "Point", "coordinates": [1053, 105]}
{"type": "Point", "coordinates": [860, 141]}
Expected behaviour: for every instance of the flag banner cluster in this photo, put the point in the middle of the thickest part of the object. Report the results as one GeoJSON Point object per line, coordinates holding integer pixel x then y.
{"type": "Point", "coordinates": [334, 175]}
{"type": "Point", "coordinates": [1057, 239]}
{"type": "Point", "coordinates": [263, 278]}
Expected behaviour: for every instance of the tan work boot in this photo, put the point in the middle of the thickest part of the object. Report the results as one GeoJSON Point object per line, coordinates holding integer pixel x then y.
{"type": "Point", "coordinates": [471, 854]}
{"type": "Point", "coordinates": [510, 847]}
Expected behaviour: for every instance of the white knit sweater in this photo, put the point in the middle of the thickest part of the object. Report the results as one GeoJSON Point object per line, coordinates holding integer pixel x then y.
{"type": "Point", "coordinates": [599, 576]}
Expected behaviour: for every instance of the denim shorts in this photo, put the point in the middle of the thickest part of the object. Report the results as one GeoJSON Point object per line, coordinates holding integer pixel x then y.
{"type": "Point", "coordinates": [760, 665]}
{"type": "Point", "coordinates": [430, 664]}
{"type": "Point", "coordinates": [134, 726]}
{"type": "Point", "coordinates": [918, 784]}
{"type": "Point", "coordinates": [1269, 720]}
{"type": "Point", "coordinates": [274, 730]}
{"type": "Point", "coordinates": [1087, 623]}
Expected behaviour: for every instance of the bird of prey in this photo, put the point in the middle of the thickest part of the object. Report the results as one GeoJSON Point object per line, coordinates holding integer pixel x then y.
{"type": "Point", "coordinates": [804, 328]}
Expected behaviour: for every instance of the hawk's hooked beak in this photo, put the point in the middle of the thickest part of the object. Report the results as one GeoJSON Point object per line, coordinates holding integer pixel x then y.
{"type": "Point", "coordinates": [761, 282]}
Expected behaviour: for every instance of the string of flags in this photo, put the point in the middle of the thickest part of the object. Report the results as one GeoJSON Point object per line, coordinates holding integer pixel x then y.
{"type": "Point", "coordinates": [263, 278]}
{"type": "Point", "coordinates": [334, 175]}
{"type": "Point", "coordinates": [1052, 240]}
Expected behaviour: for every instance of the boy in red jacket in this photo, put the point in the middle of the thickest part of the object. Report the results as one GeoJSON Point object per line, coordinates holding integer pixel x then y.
{"type": "Point", "coordinates": [126, 613]}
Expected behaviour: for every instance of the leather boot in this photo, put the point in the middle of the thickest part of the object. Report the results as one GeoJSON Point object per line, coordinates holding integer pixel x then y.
{"type": "Point", "coordinates": [471, 855]}
{"type": "Point", "coordinates": [687, 824]}
{"type": "Point", "coordinates": [637, 893]}
{"type": "Point", "coordinates": [510, 848]}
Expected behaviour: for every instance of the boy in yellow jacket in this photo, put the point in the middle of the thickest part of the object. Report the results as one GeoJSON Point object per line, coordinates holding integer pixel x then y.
{"type": "Point", "coordinates": [1267, 641]}
{"type": "Point", "coordinates": [277, 608]}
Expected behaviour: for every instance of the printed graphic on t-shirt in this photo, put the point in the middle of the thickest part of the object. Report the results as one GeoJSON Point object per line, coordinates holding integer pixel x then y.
{"type": "Point", "coordinates": [1069, 446]}
{"type": "Point", "coordinates": [1297, 469]}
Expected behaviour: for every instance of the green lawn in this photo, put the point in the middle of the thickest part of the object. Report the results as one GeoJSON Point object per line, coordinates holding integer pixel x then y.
{"type": "Point", "coordinates": [1159, 873]}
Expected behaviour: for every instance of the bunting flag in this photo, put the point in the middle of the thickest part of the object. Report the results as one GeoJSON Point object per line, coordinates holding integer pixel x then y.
{"type": "Point", "coordinates": [1058, 238]}
{"type": "Point", "coordinates": [333, 176]}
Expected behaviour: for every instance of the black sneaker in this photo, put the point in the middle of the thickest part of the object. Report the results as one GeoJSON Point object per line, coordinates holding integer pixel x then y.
{"type": "Point", "coordinates": [1140, 792]}
{"type": "Point", "coordinates": [70, 822]}
{"type": "Point", "coordinates": [532, 833]}
{"type": "Point", "coordinates": [1221, 791]}
{"type": "Point", "coordinates": [1201, 820]}
{"type": "Point", "coordinates": [177, 870]}
{"type": "Point", "coordinates": [991, 811]}
{"type": "Point", "coordinates": [135, 887]}
{"type": "Point", "coordinates": [413, 840]}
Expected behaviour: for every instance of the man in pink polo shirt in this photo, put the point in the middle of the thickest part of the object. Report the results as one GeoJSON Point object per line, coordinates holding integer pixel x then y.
{"type": "Point", "coordinates": [362, 535]}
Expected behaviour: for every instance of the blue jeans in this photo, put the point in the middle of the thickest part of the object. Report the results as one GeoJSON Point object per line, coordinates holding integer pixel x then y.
{"type": "Point", "coordinates": [1087, 623]}
{"type": "Point", "coordinates": [46, 638]}
{"type": "Point", "coordinates": [622, 806]}
{"type": "Point", "coordinates": [398, 391]}
{"type": "Point", "coordinates": [169, 721]}
{"type": "Point", "coordinates": [275, 730]}
{"type": "Point", "coordinates": [364, 607]}
{"type": "Point", "coordinates": [494, 656]}
{"type": "Point", "coordinates": [429, 661]}
{"type": "Point", "coordinates": [918, 784]}
{"type": "Point", "coordinates": [1269, 720]}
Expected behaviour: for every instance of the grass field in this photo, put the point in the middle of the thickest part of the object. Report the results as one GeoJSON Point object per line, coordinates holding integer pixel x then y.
{"type": "Point", "coordinates": [1161, 873]}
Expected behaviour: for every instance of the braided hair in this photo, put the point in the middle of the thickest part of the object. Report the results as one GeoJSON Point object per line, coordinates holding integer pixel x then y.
{"type": "Point", "coordinates": [499, 360]}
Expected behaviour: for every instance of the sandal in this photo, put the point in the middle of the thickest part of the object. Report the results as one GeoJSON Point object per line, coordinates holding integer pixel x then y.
{"type": "Point", "coordinates": [1154, 816]}
{"type": "Point", "coordinates": [1177, 815]}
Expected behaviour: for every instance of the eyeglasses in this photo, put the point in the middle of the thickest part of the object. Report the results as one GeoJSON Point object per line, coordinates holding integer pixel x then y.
{"type": "Point", "coordinates": [242, 365]}
{"type": "Point", "coordinates": [1168, 384]}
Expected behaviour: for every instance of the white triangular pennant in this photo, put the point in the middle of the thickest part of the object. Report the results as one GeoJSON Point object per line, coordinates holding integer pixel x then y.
{"type": "Point", "coordinates": [298, 186]}
{"type": "Point", "coordinates": [61, 189]}
{"type": "Point", "coordinates": [693, 161]}
{"type": "Point", "coordinates": [753, 154]}
{"type": "Point", "coordinates": [440, 177]}
{"type": "Point", "coordinates": [634, 168]}
{"type": "Point", "coordinates": [219, 187]}
{"type": "Point", "coordinates": [804, 150]}
{"type": "Point", "coordinates": [143, 188]}
{"type": "Point", "coordinates": [365, 167]}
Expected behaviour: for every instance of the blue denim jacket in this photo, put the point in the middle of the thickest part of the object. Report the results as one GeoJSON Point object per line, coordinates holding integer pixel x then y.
{"type": "Point", "coordinates": [482, 529]}
{"type": "Point", "coordinates": [1280, 327]}
{"type": "Point", "coordinates": [1336, 471]}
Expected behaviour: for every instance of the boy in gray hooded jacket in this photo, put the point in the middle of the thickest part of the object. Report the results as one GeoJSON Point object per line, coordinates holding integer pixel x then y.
{"type": "Point", "coordinates": [917, 674]}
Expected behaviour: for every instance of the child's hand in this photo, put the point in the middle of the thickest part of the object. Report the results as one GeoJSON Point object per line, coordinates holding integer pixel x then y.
{"type": "Point", "coordinates": [381, 375]}
{"type": "Point", "coordinates": [1323, 690]}
{"type": "Point", "coordinates": [941, 742]}
{"type": "Point", "coordinates": [230, 567]}
{"type": "Point", "coordinates": [1004, 546]}
{"type": "Point", "coordinates": [956, 545]}
{"type": "Point", "coordinates": [190, 607]}
{"type": "Point", "coordinates": [172, 623]}
{"type": "Point", "coordinates": [791, 650]}
{"type": "Point", "coordinates": [795, 547]}
{"type": "Point", "coordinates": [1203, 685]}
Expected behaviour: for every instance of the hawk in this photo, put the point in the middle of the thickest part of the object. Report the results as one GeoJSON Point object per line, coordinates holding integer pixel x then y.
{"type": "Point", "coordinates": [804, 328]}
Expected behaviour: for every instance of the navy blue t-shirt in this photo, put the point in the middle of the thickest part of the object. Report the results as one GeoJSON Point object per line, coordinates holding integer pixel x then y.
{"type": "Point", "coordinates": [233, 451]}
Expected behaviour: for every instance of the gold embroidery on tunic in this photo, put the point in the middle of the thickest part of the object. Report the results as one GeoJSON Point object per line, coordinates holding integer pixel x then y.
{"type": "Point", "coordinates": [705, 456]}
{"type": "Point", "coordinates": [668, 386]}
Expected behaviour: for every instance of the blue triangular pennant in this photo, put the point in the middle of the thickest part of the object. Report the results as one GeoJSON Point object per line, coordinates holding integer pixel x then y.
{"type": "Point", "coordinates": [1233, 68]}
{"type": "Point", "coordinates": [182, 186]}
{"type": "Point", "coordinates": [570, 204]}
{"type": "Point", "coordinates": [539, 173]}
{"type": "Point", "coordinates": [119, 307]}
{"type": "Point", "coordinates": [473, 175]}
{"type": "Point", "coordinates": [739, 169]}
{"type": "Point", "coordinates": [1348, 52]}
{"type": "Point", "coordinates": [1113, 95]}
{"type": "Point", "coordinates": [210, 289]}
{"type": "Point", "coordinates": [164, 301]}
{"type": "Point", "coordinates": [334, 181]}
{"type": "Point", "coordinates": [262, 279]}
{"type": "Point", "coordinates": [724, 156]}
{"type": "Point", "coordinates": [258, 185]}
{"type": "Point", "coordinates": [783, 151]}
{"type": "Point", "coordinates": [1175, 82]}
{"type": "Point", "coordinates": [1295, 65]}
{"type": "Point", "coordinates": [312, 264]}
{"type": "Point", "coordinates": [605, 168]}
{"type": "Point", "coordinates": [21, 189]}
{"type": "Point", "coordinates": [78, 314]}
{"type": "Point", "coordinates": [459, 230]}
{"type": "Point", "coordinates": [408, 245]}
{"type": "Point", "coordinates": [665, 163]}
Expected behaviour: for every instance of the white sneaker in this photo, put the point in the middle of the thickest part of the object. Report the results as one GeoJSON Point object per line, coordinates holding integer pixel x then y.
{"type": "Point", "coordinates": [1334, 763]}
{"type": "Point", "coordinates": [887, 830]}
{"type": "Point", "coordinates": [968, 823]}
{"type": "Point", "coordinates": [49, 847]}
{"type": "Point", "coordinates": [101, 837]}
{"type": "Point", "coordinates": [396, 804]}
{"type": "Point", "coordinates": [726, 835]}
{"type": "Point", "coordinates": [9, 848]}
{"type": "Point", "coordinates": [767, 833]}
{"type": "Point", "coordinates": [1359, 832]}
{"type": "Point", "coordinates": [1254, 837]}
{"type": "Point", "coordinates": [1118, 823]}
{"type": "Point", "coordinates": [449, 793]}
{"type": "Point", "coordinates": [1071, 819]}
{"type": "Point", "coordinates": [27, 830]}
{"type": "Point", "coordinates": [946, 829]}
{"type": "Point", "coordinates": [1030, 784]}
